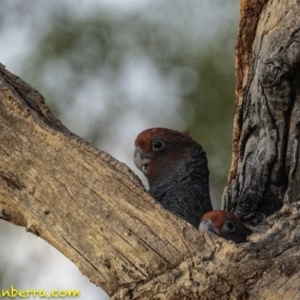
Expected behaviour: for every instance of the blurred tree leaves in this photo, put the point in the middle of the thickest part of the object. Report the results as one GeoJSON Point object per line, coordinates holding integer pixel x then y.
{"type": "Point", "coordinates": [167, 63]}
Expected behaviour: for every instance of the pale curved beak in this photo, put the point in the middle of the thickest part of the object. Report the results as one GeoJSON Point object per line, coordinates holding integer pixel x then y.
{"type": "Point", "coordinates": [207, 226]}
{"type": "Point", "coordinates": [141, 159]}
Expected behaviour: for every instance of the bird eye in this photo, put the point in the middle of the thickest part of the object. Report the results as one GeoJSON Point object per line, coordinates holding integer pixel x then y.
{"type": "Point", "coordinates": [158, 145]}
{"type": "Point", "coordinates": [230, 226]}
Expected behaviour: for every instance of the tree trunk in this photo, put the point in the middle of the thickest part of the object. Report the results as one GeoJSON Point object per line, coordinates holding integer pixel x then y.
{"type": "Point", "coordinates": [95, 211]}
{"type": "Point", "coordinates": [265, 172]}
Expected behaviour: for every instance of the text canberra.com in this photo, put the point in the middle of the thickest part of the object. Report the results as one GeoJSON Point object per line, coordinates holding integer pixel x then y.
{"type": "Point", "coordinates": [13, 293]}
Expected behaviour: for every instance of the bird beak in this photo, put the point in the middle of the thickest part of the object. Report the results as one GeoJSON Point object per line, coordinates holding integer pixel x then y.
{"type": "Point", "coordinates": [207, 226]}
{"type": "Point", "coordinates": [141, 160]}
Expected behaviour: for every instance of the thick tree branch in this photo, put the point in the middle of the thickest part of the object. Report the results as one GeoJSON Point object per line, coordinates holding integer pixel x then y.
{"type": "Point", "coordinates": [82, 201]}
{"type": "Point", "coordinates": [266, 268]}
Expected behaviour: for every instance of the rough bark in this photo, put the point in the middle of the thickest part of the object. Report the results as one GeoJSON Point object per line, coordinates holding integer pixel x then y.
{"type": "Point", "coordinates": [268, 267]}
{"type": "Point", "coordinates": [94, 210]}
{"type": "Point", "coordinates": [82, 201]}
{"type": "Point", "coordinates": [264, 172]}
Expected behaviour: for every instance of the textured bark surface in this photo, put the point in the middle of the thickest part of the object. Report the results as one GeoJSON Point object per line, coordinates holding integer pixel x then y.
{"type": "Point", "coordinates": [82, 201]}
{"type": "Point", "coordinates": [265, 173]}
{"type": "Point", "coordinates": [268, 267]}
